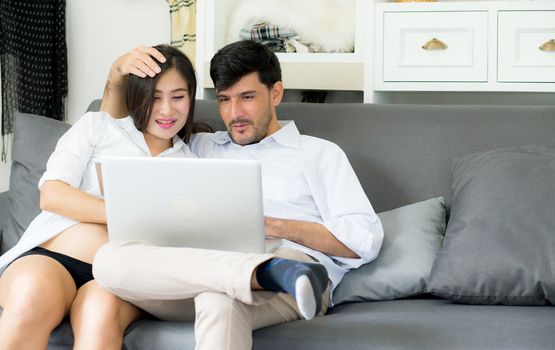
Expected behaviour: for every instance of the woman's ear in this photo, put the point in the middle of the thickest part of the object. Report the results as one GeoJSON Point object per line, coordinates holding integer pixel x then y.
{"type": "Point", "coordinates": [277, 93]}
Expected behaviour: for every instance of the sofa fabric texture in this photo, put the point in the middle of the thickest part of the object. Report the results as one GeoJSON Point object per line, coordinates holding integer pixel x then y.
{"type": "Point", "coordinates": [402, 156]}
{"type": "Point", "coordinates": [500, 243]}
{"type": "Point", "coordinates": [34, 139]}
{"type": "Point", "coordinates": [413, 235]}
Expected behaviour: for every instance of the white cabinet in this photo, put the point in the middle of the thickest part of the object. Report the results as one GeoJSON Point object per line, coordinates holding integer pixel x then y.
{"type": "Point", "coordinates": [526, 46]}
{"type": "Point", "coordinates": [495, 46]}
{"type": "Point", "coordinates": [435, 46]}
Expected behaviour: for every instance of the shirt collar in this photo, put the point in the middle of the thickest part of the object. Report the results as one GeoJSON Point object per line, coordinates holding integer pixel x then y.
{"type": "Point", "coordinates": [288, 135]}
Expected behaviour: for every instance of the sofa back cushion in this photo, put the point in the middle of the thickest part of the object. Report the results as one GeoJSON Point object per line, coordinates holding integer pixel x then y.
{"type": "Point", "coordinates": [402, 153]}
{"type": "Point", "coordinates": [34, 139]}
{"type": "Point", "coordinates": [500, 242]}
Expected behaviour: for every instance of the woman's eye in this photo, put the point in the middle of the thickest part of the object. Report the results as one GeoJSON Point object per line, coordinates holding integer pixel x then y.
{"type": "Point", "coordinates": [179, 97]}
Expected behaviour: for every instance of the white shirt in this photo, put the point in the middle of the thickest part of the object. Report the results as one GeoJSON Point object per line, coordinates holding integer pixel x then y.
{"type": "Point", "coordinates": [93, 136]}
{"type": "Point", "coordinates": [309, 179]}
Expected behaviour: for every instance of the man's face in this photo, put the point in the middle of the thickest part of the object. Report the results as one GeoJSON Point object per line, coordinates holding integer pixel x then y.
{"type": "Point", "coordinates": [248, 109]}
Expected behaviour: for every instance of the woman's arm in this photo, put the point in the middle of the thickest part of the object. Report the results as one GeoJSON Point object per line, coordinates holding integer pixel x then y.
{"type": "Point", "coordinates": [139, 62]}
{"type": "Point", "coordinates": [60, 198]}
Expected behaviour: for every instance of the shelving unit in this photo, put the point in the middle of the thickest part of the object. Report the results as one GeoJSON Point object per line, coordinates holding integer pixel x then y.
{"type": "Point", "coordinates": [319, 71]}
{"type": "Point", "coordinates": [482, 56]}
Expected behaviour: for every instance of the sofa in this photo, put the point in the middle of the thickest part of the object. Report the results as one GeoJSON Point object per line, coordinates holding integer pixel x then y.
{"type": "Point", "coordinates": [466, 196]}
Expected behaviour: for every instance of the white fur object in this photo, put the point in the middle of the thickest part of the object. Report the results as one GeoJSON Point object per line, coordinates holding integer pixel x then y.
{"type": "Point", "coordinates": [328, 24]}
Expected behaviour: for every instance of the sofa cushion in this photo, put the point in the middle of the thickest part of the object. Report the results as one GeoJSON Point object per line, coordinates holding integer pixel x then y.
{"type": "Point", "coordinates": [34, 139]}
{"type": "Point", "coordinates": [500, 241]}
{"type": "Point", "coordinates": [413, 235]}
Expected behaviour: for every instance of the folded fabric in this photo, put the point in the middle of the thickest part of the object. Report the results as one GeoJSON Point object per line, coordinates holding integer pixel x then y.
{"type": "Point", "coordinates": [265, 31]}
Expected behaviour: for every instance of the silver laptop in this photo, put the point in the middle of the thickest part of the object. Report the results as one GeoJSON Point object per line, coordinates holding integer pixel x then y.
{"type": "Point", "coordinates": [183, 202]}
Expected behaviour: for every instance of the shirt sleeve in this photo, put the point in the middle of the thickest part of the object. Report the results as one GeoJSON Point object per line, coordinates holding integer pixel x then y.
{"type": "Point", "coordinates": [345, 208]}
{"type": "Point", "coordinates": [73, 151]}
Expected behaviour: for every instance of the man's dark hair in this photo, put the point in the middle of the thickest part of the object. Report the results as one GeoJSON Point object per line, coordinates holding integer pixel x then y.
{"type": "Point", "coordinates": [140, 91]}
{"type": "Point", "coordinates": [234, 61]}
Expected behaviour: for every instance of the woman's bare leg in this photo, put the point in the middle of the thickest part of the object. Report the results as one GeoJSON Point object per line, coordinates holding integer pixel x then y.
{"type": "Point", "coordinates": [35, 294]}
{"type": "Point", "coordinates": [99, 318]}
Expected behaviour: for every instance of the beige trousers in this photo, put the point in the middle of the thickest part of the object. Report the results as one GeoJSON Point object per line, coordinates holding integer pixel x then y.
{"type": "Point", "coordinates": [211, 288]}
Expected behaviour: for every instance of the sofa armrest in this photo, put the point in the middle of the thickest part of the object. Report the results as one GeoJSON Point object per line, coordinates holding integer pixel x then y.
{"type": "Point", "coordinates": [3, 212]}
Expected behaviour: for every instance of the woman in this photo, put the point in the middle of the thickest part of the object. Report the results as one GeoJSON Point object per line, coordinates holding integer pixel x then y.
{"type": "Point", "coordinates": [48, 274]}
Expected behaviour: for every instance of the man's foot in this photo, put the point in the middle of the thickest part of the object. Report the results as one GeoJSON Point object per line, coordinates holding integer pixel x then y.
{"type": "Point", "coordinates": [306, 282]}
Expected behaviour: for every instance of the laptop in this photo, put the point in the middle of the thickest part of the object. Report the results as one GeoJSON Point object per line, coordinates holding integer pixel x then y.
{"type": "Point", "coordinates": [185, 202]}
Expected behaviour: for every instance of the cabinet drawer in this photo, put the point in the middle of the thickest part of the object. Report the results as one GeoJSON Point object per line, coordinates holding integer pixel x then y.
{"type": "Point", "coordinates": [458, 52]}
{"type": "Point", "coordinates": [521, 35]}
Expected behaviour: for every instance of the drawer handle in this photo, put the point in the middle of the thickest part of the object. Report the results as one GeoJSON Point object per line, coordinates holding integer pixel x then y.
{"type": "Point", "coordinates": [548, 45]}
{"type": "Point", "coordinates": [434, 44]}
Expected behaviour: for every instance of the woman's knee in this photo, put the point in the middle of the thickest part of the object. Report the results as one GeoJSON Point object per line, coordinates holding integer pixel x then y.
{"type": "Point", "coordinates": [36, 299]}
{"type": "Point", "coordinates": [101, 309]}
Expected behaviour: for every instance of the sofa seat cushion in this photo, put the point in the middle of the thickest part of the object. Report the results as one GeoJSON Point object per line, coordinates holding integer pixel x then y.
{"type": "Point", "coordinates": [500, 240]}
{"type": "Point", "coordinates": [400, 324]}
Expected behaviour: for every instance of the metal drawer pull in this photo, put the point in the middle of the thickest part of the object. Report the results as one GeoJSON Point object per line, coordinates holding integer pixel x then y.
{"type": "Point", "coordinates": [434, 44]}
{"type": "Point", "coordinates": [548, 45]}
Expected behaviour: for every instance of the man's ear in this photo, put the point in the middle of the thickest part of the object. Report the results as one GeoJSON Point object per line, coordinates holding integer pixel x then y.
{"type": "Point", "coordinates": [277, 93]}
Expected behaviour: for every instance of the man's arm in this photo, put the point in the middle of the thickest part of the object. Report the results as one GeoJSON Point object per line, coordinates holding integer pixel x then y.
{"type": "Point", "coordinates": [309, 234]}
{"type": "Point", "coordinates": [139, 62]}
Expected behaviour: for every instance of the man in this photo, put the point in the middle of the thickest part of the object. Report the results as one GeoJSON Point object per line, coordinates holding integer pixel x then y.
{"type": "Point", "coordinates": [312, 200]}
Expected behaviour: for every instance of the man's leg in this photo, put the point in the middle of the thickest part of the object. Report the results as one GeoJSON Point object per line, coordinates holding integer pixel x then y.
{"type": "Point", "coordinates": [135, 271]}
{"type": "Point", "coordinates": [225, 323]}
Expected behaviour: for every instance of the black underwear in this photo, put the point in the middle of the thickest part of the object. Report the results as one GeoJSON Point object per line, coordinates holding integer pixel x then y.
{"type": "Point", "coordinates": [80, 271]}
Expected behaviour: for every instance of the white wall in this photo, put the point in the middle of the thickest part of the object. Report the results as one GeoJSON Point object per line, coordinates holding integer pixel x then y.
{"type": "Point", "coordinates": [100, 31]}
{"type": "Point", "coordinates": [97, 32]}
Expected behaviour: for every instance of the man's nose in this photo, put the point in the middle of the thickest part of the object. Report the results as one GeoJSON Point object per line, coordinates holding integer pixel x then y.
{"type": "Point", "coordinates": [236, 110]}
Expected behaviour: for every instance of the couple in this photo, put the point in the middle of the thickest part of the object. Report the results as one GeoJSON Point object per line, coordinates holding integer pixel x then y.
{"type": "Point", "coordinates": [315, 203]}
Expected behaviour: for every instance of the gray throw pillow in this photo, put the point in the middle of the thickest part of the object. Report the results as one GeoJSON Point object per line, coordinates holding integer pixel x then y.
{"type": "Point", "coordinates": [499, 245]}
{"type": "Point", "coordinates": [34, 139]}
{"type": "Point", "coordinates": [413, 235]}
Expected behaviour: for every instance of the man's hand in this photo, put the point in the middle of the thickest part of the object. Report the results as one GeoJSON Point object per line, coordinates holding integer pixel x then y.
{"type": "Point", "coordinates": [140, 62]}
{"type": "Point", "coordinates": [309, 234]}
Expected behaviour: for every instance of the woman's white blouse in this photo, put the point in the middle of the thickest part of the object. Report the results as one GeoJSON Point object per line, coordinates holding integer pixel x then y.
{"type": "Point", "coordinates": [93, 136]}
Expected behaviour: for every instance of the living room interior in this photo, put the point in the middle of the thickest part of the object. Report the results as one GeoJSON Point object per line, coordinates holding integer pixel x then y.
{"type": "Point", "coordinates": [129, 24]}
{"type": "Point", "coordinates": [437, 119]}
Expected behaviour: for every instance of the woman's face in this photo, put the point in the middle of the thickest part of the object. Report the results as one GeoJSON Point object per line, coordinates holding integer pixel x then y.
{"type": "Point", "coordinates": [170, 108]}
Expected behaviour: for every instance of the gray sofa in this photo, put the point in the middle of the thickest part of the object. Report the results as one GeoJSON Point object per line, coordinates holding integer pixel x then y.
{"type": "Point", "coordinates": [403, 154]}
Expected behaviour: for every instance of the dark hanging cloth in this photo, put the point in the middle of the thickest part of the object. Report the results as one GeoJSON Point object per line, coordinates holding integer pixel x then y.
{"type": "Point", "coordinates": [33, 57]}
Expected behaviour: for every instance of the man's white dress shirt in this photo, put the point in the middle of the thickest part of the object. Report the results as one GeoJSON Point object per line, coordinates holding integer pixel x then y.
{"type": "Point", "coordinates": [309, 179]}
